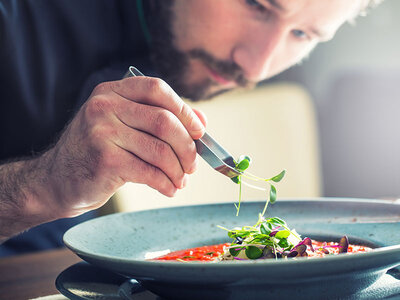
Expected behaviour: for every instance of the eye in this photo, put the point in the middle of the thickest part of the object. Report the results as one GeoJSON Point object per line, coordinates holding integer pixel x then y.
{"type": "Point", "coordinates": [299, 34]}
{"type": "Point", "coordinates": [255, 4]}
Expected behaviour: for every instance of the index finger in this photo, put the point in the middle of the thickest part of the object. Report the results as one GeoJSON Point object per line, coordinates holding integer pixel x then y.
{"type": "Point", "coordinates": [156, 92]}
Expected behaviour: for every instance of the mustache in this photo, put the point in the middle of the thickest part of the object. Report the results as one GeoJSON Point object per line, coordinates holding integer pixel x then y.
{"type": "Point", "coordinates": [229, 70]}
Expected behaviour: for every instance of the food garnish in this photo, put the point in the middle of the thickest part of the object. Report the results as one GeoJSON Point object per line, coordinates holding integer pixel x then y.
{"type": "Point", "coordinates": [241, 165]}
{"type": "Point", "coordinates": [306, 248]}
{"type": "Point", "coordinates": [272, 238]}
{"type": "Point", "coordinates": [268, 238]}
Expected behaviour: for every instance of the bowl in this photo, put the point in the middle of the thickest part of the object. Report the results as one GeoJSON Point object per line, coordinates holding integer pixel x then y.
{"type": "Point", "coordinates": [119, 242]}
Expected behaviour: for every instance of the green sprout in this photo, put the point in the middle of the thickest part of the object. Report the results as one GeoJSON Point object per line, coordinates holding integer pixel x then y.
{"type": "Point", "coordinates": [242, 165]}
{"type": "Point", "coordinates": [267, 237]}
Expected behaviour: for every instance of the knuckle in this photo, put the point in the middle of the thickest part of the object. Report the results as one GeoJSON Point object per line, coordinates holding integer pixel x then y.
{"type": "Point", "coordinates": [185, 110]}
{"type": "Point", "coordinates": [101, 132]}
{"type": "Point", "coordinates": [162, 150]}
{"type": "Point", "coordinates": [156, 86]}
{"type": "Point", "coordinates": [102, 88]}
{"type": "Point", "coordinates": [163, 123]}
{"type": "Point", "coordinates": [164, 186]}
{"type": "Point", "coordinates": [98, 106]}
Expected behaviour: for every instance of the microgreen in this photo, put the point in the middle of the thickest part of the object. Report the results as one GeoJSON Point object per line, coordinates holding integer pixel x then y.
{"type": "Point", "coordinates": [253, 252]}
{"type": "Point", "coordinates": [267, 237]}
{"type": "Point", "coordinates": [242, 165]}
{"type": "Point", "coordinates": [235, 252]}
{"type": "Point", "coordinates": [283, 234]}
{"type": "Point", "coordinates": [278, 177]}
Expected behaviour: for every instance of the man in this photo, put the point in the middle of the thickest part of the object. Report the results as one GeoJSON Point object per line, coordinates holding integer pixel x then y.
{"type": "Point", "coordinates": [63, 59]}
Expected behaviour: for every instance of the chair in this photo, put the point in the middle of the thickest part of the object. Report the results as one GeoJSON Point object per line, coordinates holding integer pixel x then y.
{"type": "Point", "coordinates": [274, 124]}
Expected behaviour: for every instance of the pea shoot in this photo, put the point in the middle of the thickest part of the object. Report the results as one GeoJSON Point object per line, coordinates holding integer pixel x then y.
{"type": "Point", "coordinates": [242, 165]}
{"type": "Point", "coordinates": [268, 238]}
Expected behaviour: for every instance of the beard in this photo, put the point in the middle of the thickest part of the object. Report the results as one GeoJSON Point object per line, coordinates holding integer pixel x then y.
{"type": "Point", "coordinates": [173, 64]}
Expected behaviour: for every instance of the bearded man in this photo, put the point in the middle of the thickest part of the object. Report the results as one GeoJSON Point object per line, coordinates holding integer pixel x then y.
{"type": "Point", "coordinates": [61, 64]}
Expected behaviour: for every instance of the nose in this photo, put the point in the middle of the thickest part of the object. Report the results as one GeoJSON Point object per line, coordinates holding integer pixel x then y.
{"type": "Point", "coordinates": [257, 50]}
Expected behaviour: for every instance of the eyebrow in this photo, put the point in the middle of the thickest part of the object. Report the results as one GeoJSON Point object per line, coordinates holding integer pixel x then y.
{"type": "Point", "coordinates": [276, 4]}
{"type": "Point", "coordinates": [320, 34]}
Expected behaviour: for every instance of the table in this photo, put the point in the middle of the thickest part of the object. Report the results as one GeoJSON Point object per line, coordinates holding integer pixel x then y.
{"type": "Point", "coordinates": [32, 275]}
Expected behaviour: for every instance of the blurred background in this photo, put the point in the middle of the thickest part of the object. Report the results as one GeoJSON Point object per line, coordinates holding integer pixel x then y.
{"type": "Point", "coordinates": [354, 82]}
{"type": "Point", "coordinates": [333, 122]}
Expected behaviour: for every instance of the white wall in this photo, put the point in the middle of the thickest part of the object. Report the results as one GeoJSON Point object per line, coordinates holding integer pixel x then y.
{"type": "Point", "coordinates": [373, 42]}
{"type": "Point", "coordinates": [354, 71]}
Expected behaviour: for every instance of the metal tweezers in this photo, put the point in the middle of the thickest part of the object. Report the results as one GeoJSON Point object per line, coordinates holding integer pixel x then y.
{"type": "Point", "coordinates": [212, 152]}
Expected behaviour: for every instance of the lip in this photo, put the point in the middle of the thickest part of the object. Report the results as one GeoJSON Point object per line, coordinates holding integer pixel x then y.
{"type": "Point", "coordinates": [220, 80]}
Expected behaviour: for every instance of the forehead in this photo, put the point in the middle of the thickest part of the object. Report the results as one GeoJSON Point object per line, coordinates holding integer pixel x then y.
{"type": "Point", "coordinates": [329, 14]}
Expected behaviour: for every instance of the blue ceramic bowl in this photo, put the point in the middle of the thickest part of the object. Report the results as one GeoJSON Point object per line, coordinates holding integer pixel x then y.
{"type": "Point", "coordinates": [119, 243]}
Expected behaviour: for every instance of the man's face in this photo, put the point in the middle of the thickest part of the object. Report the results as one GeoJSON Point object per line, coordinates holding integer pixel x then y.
{"type": "Point", "coordinates": [218, 45]}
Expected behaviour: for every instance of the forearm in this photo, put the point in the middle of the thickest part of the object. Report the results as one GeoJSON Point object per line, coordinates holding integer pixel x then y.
{"type": "Point", "coordinates": [111, 140]}
{"type": "Point", "coordinates": [25, 199]}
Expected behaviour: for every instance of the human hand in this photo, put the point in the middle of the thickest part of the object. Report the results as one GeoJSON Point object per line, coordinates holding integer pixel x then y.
{"type": "Point", "coordinates": [132, 130]}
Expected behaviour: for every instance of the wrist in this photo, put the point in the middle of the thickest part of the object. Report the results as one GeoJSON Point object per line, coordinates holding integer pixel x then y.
{"type": "Point", "coordinates": [41, 198]}
{"type": "Point", "coordinates": [25, 197]}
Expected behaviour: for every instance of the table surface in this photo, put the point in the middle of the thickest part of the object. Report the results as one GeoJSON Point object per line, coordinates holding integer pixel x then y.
{"type": "Point", "coordinates": [33, 275]}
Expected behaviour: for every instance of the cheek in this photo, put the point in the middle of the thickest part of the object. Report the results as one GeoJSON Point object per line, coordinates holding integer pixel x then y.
{"type": "Point", "coordinates": [291, 55]}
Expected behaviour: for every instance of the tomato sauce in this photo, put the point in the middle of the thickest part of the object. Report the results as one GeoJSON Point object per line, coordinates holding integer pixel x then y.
{"type": "Point", "coordinates": [210, 253]}
{"type": "Point", "coordinates": [204, 253]}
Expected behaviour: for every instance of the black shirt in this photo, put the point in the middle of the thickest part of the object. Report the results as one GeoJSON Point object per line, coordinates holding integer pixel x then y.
{"type": "Point", "coordinates": [52, 54]}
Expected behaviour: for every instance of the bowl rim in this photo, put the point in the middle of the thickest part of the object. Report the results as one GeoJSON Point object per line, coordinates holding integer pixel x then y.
{"type": "Point", "coordinates": [234, 265]}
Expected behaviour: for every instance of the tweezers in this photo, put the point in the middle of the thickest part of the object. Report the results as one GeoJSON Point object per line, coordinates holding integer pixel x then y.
{"type": "Point", "coordinates": [212, 152]}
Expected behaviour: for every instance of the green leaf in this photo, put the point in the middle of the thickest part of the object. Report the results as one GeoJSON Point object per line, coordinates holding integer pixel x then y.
{"type": "Point", "coordinates": [276, 220]}
{"type": "Point", "coordinates": [270, 225]}
{"type": "Point", "coordinates": [283, 243]}
{"type": "Point", "coordinates": [235, 233]}
{"type": "Point", "coordinates": [283, 234]}
{"type": "Point", "coordinates": [253, 252]}
{"type": "Point", "coordinates": [244, 157]}
{"type": "Point", "coordinates": [278, 177]}
{"type": "Point", "coordinates": [272, 194]}
{"type": "Point", "coordinates": [259, 237]}
{"type": "Point", "coordinates": [264, 230]}
{"type": "Point", "coordinates": [235, 252]}
{"type": "Point", "coordinates": [243, 165]}
{"type": "Point", "coordinates": [236, 179]}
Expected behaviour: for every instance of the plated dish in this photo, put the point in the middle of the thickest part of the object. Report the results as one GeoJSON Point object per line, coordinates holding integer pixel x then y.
{"type": "Point", "coordinates": [268, 239]}
{"type": "Point", "coordinates": [223, 252]}
{"type": "Point", "coordinates": [120, 242]}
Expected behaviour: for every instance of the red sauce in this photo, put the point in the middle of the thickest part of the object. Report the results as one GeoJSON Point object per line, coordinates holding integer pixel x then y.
{"type": "Point", "coordinates": [204, 253]}
{"type": "Point", "coordinates": [210, 253]}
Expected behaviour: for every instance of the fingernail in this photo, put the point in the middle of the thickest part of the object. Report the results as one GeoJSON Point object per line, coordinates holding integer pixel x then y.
{"type": "Point", "coordinates": [196, 123]}
{"type": "Point", "coordinates": [194, 166]}
{"type": "Point", "coordinates": [185, 180]}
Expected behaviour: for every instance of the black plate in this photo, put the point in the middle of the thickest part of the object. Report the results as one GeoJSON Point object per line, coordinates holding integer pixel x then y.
{"type": "Point", "coordinates": [83, 281]}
